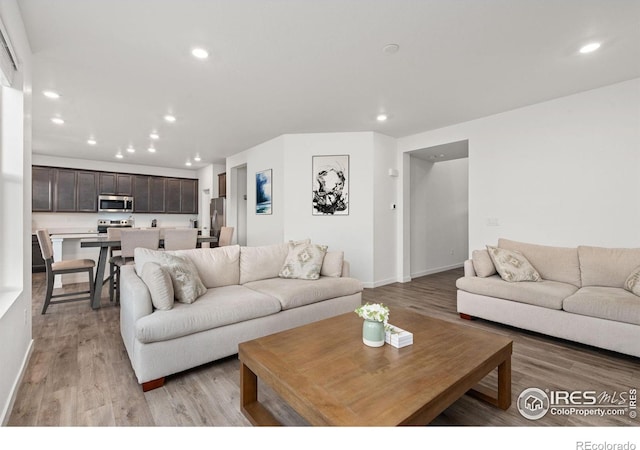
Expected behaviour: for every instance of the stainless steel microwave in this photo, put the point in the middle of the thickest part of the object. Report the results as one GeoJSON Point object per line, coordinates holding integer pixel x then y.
{"type": "Point", "coordinates": [115, 203]}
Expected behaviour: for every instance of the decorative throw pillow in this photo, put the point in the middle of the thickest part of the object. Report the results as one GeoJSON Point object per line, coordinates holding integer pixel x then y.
{"type": "Point", "coordinates": [187, 285]}
{"type": "Point", "coordinates": [512, 265]}
{"type": "Point", "coordinates": [304, 261]}
{"type": "Point", "coordinates": [160, 286]}
{"type": "Point", "coordinates": [633, 282]}
{"type": "Point", "coordinates": [482, 263]}
{"type": "Point", "coordinates": [332, 264]}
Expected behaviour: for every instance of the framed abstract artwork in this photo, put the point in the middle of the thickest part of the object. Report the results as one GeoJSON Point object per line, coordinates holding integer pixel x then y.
{"type": "Point", "coordinates": [330, 185]}
{"type": "Point", "coordinates": [263, 192]}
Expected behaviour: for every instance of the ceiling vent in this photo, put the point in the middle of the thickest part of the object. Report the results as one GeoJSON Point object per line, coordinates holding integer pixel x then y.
{"type": "Point", "coordinates": [8, 66]}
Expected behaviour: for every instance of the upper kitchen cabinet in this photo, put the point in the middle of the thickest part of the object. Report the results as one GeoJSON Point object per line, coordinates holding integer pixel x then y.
{"type": "Point", "coordinates": [222, 184]}
{"type": "Point", "coordinates": [86, 191]}
{"type": "Point", "coordinates": [141, 203]}
{"type": "Point", "coordinates": [115, 184]}
{"type": "Point", "coordinates": [156, 195]}
{"type": "Point", "coordinates": [181, 196]}
{"type": "Point", "coordinates": [64, 197]}
{"type": "Point", "coordinates": [189, 196]}
{"type": "Point", "coordinates": [42, 189]}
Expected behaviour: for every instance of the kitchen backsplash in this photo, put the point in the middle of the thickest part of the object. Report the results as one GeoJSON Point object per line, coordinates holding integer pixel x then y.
{"type": "Point", "coordinates": [89, 222]}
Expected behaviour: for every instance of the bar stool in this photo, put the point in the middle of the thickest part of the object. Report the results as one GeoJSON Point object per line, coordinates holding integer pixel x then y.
{"type": "Point", "coordinates": [60, 268]}
{"type": "Point", "coordinates": [130, 239]}
{"type": "Point", "coordinates": [180, 239]}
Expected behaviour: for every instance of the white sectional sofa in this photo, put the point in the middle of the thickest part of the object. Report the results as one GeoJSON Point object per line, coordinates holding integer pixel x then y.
{"type": "Point", "coordinates": [245, 299]}
{"type": "Point", "coordinates": [580, 296]}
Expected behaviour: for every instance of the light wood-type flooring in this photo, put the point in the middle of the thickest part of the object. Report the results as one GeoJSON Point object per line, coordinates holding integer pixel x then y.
{"type": "Point", "coordinates": [79, 373]}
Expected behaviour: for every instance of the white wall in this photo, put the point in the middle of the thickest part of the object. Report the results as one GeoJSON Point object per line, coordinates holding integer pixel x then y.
{"type": "Point", "coordinates": [241, 224]}
{"type": "Point", "coordinates": [439, 215]}
{"type": "Point", "coordinates": [15, 305]}
{"type": "Point", "coordinates": [353, 233]}
{"type": "Point", "coordinates": [562, 172]}
{"type": "Point", "coordinates": [386, 191]}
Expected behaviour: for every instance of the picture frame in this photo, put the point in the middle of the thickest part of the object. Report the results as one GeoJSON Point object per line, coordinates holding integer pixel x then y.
{"type": "Point", "coordinates": [330, 181]}
{"type": "Point", "coordinates": [264, 192]}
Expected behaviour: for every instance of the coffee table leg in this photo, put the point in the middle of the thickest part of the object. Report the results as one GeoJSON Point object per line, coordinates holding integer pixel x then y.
{"type": "Point", "coordinates": [501, 397]}
{"type": "Point", "coordinates": [249, 404]}
{"type": "Point", "coordinates": [504, 384]}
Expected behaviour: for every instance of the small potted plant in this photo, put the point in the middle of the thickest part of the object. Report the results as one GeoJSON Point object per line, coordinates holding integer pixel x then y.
{"type": "Point", "coordinates": [376, 316]}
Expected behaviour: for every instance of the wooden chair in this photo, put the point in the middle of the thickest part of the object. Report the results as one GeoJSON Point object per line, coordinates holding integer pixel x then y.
{"type": "Point", "coordinates": [226, 234]}
{"type": "Point", "coordinates": [180, 239]}
{"type": "Point", "coordinates": [113, 234]}
{"type": "Point", "coordinates": [62, 267]}
{"type": "Point", "coordinates": [130, 239]}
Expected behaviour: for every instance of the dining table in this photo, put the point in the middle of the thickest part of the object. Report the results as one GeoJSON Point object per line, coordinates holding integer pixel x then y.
{"type": "Point", "coordinates": [104, 244]}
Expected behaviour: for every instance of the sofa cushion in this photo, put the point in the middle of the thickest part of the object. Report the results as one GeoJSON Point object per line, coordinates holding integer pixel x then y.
{"type": "Point", "coordinates": [632, 284]}
{"type": "Point", "coordinates": [482, 263]}
{"type": "Point", "coordinates": [545, 293]}
{"type": "Point", "coordinates": [303, 261]}
{"type": "Point", "coordinates": [552, 263]}
{"type": "Point", "coordinates": [293, 292]}
{"type": "Point", "coordinates": [216, 308]}
{"type": "Point", "coordinates": [160, 287]}
{"type": "Point", "coordinates": [187, 285]}
{"type": "Point", "coordinates": [218, 266]}
{"type": "Point", "coordinates": [332, 264]}
{"type": "Point", "coordinates": [259, 263]}
{"type": "Point", "coordinates": [605, 303]}
{"type": "Point", "coordinates": [512, 265]}
{"type": "Point", "coordinates": [608, 267]}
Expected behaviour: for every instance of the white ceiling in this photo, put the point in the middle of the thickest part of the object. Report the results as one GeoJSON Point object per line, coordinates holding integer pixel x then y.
{"type": "Point", "coordinates": [296, 66]}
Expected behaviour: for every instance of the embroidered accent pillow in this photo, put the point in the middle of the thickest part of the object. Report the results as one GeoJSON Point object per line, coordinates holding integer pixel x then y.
{"type": "Point", "coordinates": [633, 282]}
{"type": "Point", "coordinates": [187, 285]}
{"type": "Point", "coordinates": [303, 262]}
{"type": "Point", "coordinates": [512, 265]}
{"type": "Point", "coordinates": [160, 286]}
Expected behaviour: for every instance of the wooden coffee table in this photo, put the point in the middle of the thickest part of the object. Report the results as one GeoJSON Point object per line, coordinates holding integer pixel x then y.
{"type": "Point", "coordinates": [325, 372]}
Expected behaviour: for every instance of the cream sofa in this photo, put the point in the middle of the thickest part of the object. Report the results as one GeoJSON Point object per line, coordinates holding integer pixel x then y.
{"type": "Point", "coordinates": [245, 299]}
{"type": "Point", "coordinates": [581, 295]}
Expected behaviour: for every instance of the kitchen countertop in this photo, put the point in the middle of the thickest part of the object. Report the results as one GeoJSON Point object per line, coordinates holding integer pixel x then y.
{"type": "Point", "coordinates": [79, 230]}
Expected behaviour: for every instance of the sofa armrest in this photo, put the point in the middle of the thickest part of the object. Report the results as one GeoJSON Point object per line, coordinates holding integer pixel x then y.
{"type": "Point", "coordinates": [135, 302]}
{"type": "Point", "coordinates": [469, 271]}
{"type": "Point", "coordinates": [346, 269]}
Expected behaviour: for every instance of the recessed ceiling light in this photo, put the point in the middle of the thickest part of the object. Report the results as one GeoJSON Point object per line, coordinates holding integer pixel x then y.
{"type": "Point", "coordinates": [381, 117]}
{"type": "Point", "coordinates": [592, 47]}
{"type": "Point", "coordinates": [188, 163]}
{"type": "Point", "coordinates": [200, 53]}
{"type": "Point", "coordinates": [119, 155]}
{"type": "Point", "coordinates": [154, 136]}
{"type": "Point", "coordinates": [151, 149]}
{"type": "Point", "coordinates": [197, 158]}
{"type": "Point", "coordinates": [91, 141]}
{"type": "Point", "coordinates": [170, 118]}
{"type": "Point", "coordinates": [51, 94]}
{"type": "Point", "coordinates": [390, 49]}
{"type": "Point", "coordinates": [130, 149]}
{"type": "Point", "coordinates": [57, 120]}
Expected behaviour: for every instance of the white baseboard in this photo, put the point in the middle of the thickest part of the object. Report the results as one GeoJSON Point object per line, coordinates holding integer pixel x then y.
{"type": "Point", "coordinates": [422, 273]}
{"type": "Point", "coordinates": [6, 412]}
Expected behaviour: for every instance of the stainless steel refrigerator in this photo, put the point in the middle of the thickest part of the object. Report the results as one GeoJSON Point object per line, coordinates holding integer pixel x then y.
{"type": "Point", "coordinates": [217, 211]}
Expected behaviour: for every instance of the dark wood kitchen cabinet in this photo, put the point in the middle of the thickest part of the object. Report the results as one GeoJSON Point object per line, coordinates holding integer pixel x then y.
{"type": "Point", "coordinates": [189, 196]}
{"type": "Point", "coordinates": [42, 189]}
{"type": "Point", "coordinates": [222, 185]}
{"type": "Point", "coordinates": [172, 195]}
{"type": "Point", "coordinates": [115, 184]}
{"type": "Point", "coordinates": [141, 198]}
{"type": "Point", "coordinates": [64, 196]}
{"type": "Point", "coordinates": [156, 195]}
{"type": "Point", "coordinates": [87, 191]}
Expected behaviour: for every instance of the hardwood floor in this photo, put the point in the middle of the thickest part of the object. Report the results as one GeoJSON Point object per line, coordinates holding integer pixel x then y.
{"type": "Point", "coordinates": [79, 373]}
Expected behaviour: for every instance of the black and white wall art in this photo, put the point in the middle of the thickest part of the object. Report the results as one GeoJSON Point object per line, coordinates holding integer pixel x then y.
{"type": "Point", "coordinates": [330, 185]}
{"type": "Point", "coordinates": [263, 192]}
